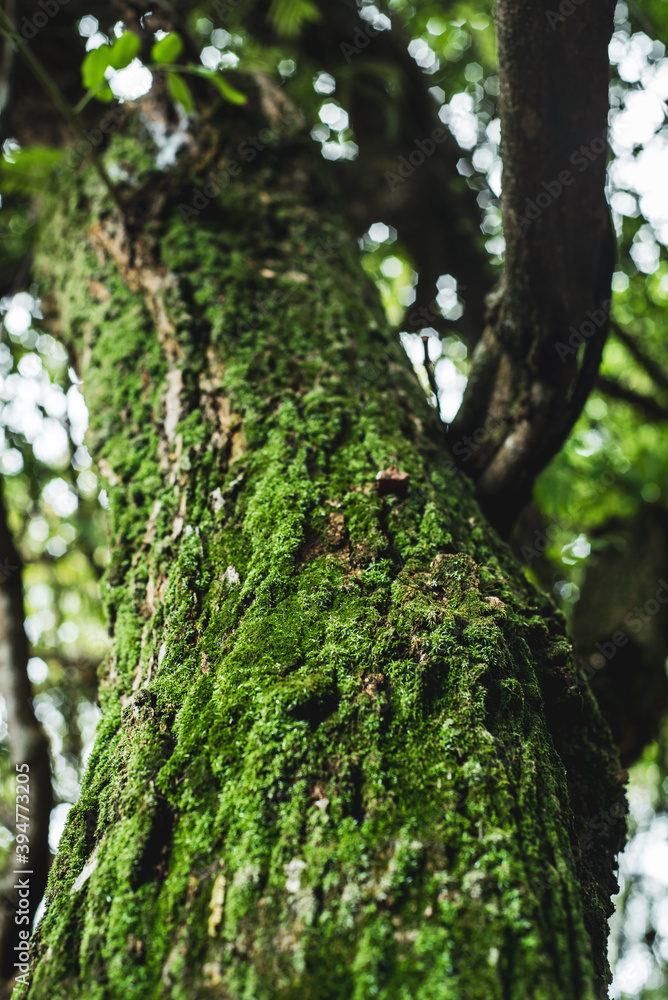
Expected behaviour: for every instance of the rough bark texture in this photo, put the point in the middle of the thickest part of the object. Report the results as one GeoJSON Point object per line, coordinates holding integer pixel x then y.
{"type": "Point", "coordinates": [340, 753]}
{"type": "Point", "coordinates": [531, 374]}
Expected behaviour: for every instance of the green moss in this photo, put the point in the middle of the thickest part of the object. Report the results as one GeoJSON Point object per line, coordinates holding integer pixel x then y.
{"type": "Point", "coordinates": [336, 702]}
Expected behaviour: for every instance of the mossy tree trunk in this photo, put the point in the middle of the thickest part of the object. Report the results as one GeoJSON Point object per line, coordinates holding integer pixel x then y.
{"type": "Point", "coordinates": [340, 754]}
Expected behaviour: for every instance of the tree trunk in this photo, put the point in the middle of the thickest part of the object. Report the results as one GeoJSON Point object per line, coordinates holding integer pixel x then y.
{"type": "Point", "coordinates": [341, 752]}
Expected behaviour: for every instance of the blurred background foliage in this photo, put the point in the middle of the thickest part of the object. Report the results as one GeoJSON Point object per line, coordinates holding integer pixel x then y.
{"type": "Point", "coordinates": [596, 534]}
{"type": "Point", "coordinates": [56, 516]}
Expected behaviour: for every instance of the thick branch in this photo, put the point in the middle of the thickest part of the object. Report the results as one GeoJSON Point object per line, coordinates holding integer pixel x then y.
{"type": "Point", "coordinates": [559, 249]}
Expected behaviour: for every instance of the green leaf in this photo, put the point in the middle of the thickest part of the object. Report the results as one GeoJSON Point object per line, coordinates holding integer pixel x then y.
{"type": "Point", "coordinates": [288, 16]}
{"type": "Point", "coordinates": [94, 65]}
{"type": "Point", "coordinates": [167, 49]}
{"type": "Point", "coordinates": [124, 50]}
{"type": "Point", "coordinates": [225, 89]}
{"type": "Point", "coordinates": [28, 168]}
{"type": "Point", "coordinates": [181, 93]}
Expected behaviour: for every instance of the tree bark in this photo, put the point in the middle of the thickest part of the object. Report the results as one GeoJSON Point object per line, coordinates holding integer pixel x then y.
{"type": "Point", "coordinates": [537, 361]}
{"type": "Point", "coordinates": [341, 753]}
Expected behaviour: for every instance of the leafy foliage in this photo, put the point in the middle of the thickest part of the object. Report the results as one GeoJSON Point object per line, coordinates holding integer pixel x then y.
{"type": "Point", "coordinates": [59, 527]}
{"type": "Point", "coordinates": [288, 16]}
{"type": "Point", "coordinates": [181, 92]}
{"type": "Point", "coordinates": [168, 49]}
{"type": "Point", "coordinates": [98, 61]}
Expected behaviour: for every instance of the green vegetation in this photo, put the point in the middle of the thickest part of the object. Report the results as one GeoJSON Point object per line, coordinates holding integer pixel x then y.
{"type": "Point", "coordinates": [339, 733]}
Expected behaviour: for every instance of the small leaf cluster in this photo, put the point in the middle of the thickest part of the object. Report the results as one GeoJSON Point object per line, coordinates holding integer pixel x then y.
{"type": "Point", "coordinates": [164, 55]}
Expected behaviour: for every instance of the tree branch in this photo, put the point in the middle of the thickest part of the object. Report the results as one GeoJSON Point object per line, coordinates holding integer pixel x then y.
{"type": "Point", "coordinates": [631, 343]}
{"type": "Point", "coordinates": [559, 249]}
{"type": "Point", "coordinates": [646, 404]}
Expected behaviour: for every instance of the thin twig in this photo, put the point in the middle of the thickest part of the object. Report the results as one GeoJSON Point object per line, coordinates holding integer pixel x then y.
{"type": "Point", "coordinates": [652, 367]}
{"type": "Point", "coordinates": [643, 20]}
{"type": "Point", "coordinates": [627, 395]}
{"type": "Point", "coordinates": [429, 368]}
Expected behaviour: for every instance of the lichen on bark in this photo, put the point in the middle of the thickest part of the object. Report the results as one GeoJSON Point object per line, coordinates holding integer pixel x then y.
{"type": "Point", "coordinates": [339, 753]}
